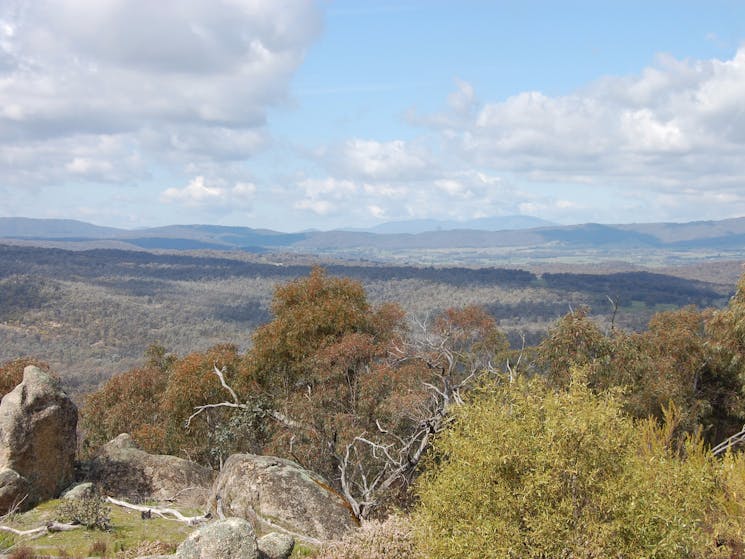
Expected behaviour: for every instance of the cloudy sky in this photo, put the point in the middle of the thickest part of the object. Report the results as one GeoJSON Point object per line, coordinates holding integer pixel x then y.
{"type": "Point", "coordinates": [292, 114]}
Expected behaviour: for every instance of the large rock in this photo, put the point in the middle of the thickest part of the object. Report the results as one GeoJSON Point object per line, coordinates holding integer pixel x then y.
{"type": "Point", "coordinates": [123, 470]}
{"type": "Point", "coordinates": [278, 495]}
{"type": "Point", "coordinates": [275, 546]}
{"type": "Point", "coordinates": [232, 538]}
{"type": "Point", "coordinates": [38, 424]}
{"type": "Point", "coordinates": [79, 492]}
{"type": "Point", "coordinates": [14, 490]}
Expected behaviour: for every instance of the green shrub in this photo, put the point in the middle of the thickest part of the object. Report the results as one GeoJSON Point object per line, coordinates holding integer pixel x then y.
{"type": "Point", "coordinates": [528, 472]}
{"type": "Point", "coordinates": [91, 512]}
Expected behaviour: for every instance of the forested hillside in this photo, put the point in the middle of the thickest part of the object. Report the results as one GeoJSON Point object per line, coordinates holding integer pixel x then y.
{"type": "Point", "coordinates": [399, 412]}
{"type": "Point", "coordinates": [593, 440]}
{"type": "Point", "coordinates": [90, 314]}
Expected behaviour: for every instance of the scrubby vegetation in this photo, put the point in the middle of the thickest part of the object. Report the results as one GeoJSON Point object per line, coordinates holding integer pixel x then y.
{"type": "Point", "coordinates": [91, 512]}
{"type": "Point", "coordinates": [529, 471]}
{"type": "Point", "coordinates": [91, 313]}
{"type": "Point", "coordinates": [376, 539]}
{"type": "Point", "coordinates": [596, 442]}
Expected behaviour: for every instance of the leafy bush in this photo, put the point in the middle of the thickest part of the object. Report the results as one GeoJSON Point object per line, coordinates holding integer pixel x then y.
{"type": "Point", "coordinates": [374, 540]}
{"type": "Point", "coordinates": [91, 512]}
{"type": "Point", "coordinates": [529, 472]}
{"type": "Point", "coordinates": [729, 525]}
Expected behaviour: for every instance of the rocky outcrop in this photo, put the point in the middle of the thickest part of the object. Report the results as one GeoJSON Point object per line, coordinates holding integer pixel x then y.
{"type": "Point", "coordinates": [79, 492]}
{"type": "Point", "coordinates": [278, 495]}
{"type": "Point", "coordinates": [275, 546]}
{"type": "Point", "coordinates": [232, 538]}
{"type": "Point", "coordinates": [14, 490]}
{"type": "Point", "coordinates": [123, 470]}
{"type": "Point", "coordinates": [38, 424]}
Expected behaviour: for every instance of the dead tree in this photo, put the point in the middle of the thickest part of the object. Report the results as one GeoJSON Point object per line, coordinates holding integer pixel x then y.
{"type": "Point", "coordinates": [375, 463]}
{"type": "Point", "coordinates": [372, 466]}
{"type": "Point", "coordinates": [235, 403]}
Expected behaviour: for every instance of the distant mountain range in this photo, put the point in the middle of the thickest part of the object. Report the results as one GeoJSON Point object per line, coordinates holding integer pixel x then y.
{"type": "Point", "coordinates": [513, 231]}
{"type": "Point", "coordinates": [500, 223]}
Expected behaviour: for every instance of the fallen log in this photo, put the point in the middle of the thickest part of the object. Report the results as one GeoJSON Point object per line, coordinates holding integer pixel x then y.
{"type": "Point", "coordinates": [168, 514]}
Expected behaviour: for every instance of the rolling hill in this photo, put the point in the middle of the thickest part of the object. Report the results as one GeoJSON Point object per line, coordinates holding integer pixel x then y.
{"type": "Point", "coordinates": [725, 235]}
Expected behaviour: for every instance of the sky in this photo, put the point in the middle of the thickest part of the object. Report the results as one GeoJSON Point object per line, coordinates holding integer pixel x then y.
{"type": "Point", "coordinates": [292, 114]}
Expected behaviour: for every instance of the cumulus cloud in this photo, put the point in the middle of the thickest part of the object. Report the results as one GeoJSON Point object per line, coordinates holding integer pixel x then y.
{"type": "Point", "coordinates": [373, 159]}
{"type": "Point", "coordinates": [667, 143]}
{"type": "Point", "coordinates": [201, 194]}
{"type": "Point", "coordinates": [455, 195]}
{"type": "Point", "coordinates": [325, 196]}
{"type": "Point", "coordinates": [679, 123]}
{"type": "Point", "coordinates": [177, 80]}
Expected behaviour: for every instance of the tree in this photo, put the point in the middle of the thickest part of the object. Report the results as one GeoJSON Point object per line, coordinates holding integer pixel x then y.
{"type": "Point", "coordinates": [319, 362]}
{"type": "Point", "coordinates": [681, 366]}
{"type": "Point", "coordinates": [685, 357]}
{"type": "Point", "coordinates": [155, 404]}
{"type": "Point", "coordinates": [574, 341]}
{"type": "Point", "coordinates": [207, 438]}
{"type": "Point", "coordinates": [345, 390]}
{"type": "Point", "coordinates": [127, 403]}
{"type": "Point", "coordinates": [437, 365]}
{"type": "Point", "coordinates": [725, 331]}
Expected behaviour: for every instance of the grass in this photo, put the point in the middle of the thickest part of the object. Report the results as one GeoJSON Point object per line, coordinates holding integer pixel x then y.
{"type": "Point", "coordinates": [128, 530]}
{"type": "Point", "coordinates": [301, 550]}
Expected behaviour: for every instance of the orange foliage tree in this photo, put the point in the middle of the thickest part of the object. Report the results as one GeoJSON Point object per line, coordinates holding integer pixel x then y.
{"type": "Point", "coordinates": [321, 361]}
{"type": "Point", "coordinates": [128, 403]}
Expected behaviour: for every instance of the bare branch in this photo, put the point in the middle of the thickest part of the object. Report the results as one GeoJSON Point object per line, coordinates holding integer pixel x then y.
{"type": "Point", "coordinates": [614, 306]}
{"type": "Point", "coordinates": [162, 512]}
{"type": "Point", "coordinates": [221, 375]}
{"type": "Point", "coordinates": [200, 409]}
{"type": "Point", "coordinates": [274, 414]}
{"type": "Point", "coordinates": [41, 530]}
{"type": "Point", "coordinates": [362, 483]}
{"type": "Point", "coordinates": [729, 443]}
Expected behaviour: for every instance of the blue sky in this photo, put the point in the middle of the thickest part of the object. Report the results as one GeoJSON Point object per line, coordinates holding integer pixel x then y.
{"type": "Point", "coordinates": [293, 114]}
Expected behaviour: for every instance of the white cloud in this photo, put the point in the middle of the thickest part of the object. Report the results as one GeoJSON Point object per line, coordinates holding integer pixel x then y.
{"type": "Point", "coordinates": [319, 207]}
{"type": "Point", "coordinates": [463, 100]}
{"type": "Point", "coordinates": [450, 195]}
{"type": "Point", "coordinates": [453, 187]}
{"type": "Point", "coordinates": [178, 81]}
{"type": "Point", "coordinates": [675, 129]}
{"type": "Point", "coordinates": [325, 196]}
{"type": "Point", "coordinates": [201, 194]}
{"type": "Point", "coordinates": [677, 124]}
{"type": "Point", "coordinates": [86, 165]}
{"type": "Point", "coordinates": [196, 193]}
{"type": "Point", "coordinates": [376, 211]}
{"type": "Point", "coordinates": [244, 190]}
{"type": "Point", "coordinates": [328, 187]}
{"type": "Point", "coordinates": [376, 160]}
